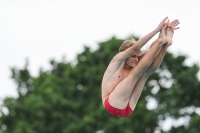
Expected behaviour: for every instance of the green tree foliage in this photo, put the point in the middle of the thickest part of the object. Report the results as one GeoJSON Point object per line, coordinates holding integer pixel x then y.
{"type": "Point", "coordinates": [67, 98]}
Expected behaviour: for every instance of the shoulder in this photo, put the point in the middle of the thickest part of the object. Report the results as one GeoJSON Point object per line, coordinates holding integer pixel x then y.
{"type": "Point", "coordinates": [118, 58]}
{"type": "Point", "coordinates": [114, 65]}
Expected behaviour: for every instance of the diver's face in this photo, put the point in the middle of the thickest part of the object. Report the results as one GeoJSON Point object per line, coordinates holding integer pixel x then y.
{"type": "Point", "coordinates": [132, 61]}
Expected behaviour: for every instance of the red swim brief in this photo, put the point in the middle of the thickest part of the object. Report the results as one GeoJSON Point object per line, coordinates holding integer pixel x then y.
{"type": "Point", "coordinates": [117, 112]}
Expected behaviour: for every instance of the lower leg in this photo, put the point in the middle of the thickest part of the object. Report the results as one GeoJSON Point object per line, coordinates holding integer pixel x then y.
{"type": "Point", "coordinates": [135, 95]}
{"type": "Point", "coordinates": [155, 50]}
{"type": "Point", "coordinates": [149, 56]}
{"type": "Point", "coordinates": [160, 55]}
{"type": "Point", "coordinates": [147, 59]}
{"type": "Point", "coordinates": [157, 61]}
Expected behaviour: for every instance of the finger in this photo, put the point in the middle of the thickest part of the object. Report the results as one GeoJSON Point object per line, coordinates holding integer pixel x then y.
{"type": "Point", "coordinates": [165, 26]}
{"type": "Point", "coordinates": [177, 24]}
{"type": "Point", "coordinates": [164, 20]}
{"type": "Point", "coordinates": [176, 28]}
{"type": "Point", "coordinates": [174, 22]}
{"type": "Point", "coordinates": [170, 25]}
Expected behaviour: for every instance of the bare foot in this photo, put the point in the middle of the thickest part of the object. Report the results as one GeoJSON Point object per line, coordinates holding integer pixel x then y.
{"type": "Point", "coordinates": [169, 35]}
{"type": "Point", "coordinates": [163, 35]}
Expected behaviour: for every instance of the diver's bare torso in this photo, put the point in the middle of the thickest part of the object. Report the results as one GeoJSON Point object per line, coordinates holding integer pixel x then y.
{"type": "Point", "coordinates": [113, 75]}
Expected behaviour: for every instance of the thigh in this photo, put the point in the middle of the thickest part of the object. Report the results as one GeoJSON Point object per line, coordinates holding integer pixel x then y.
{"type": "Point", "coordinates": [120, 96]}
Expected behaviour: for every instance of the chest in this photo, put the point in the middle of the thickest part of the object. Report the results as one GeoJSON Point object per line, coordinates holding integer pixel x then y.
{"type": "Point", "coordinates": [121, 75]}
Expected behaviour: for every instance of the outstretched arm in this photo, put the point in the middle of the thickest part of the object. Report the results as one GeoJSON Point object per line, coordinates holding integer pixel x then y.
{"type": "Point", "coordinates": [170, 25]}
{"type": "Point", "coordinates": [140, 43]}
{"type": "Point", "coordinates": [173, 25]}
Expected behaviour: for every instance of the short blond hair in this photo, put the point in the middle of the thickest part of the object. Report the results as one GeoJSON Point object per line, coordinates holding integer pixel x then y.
{"type": "Point", "coordinates": [127, 44]}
